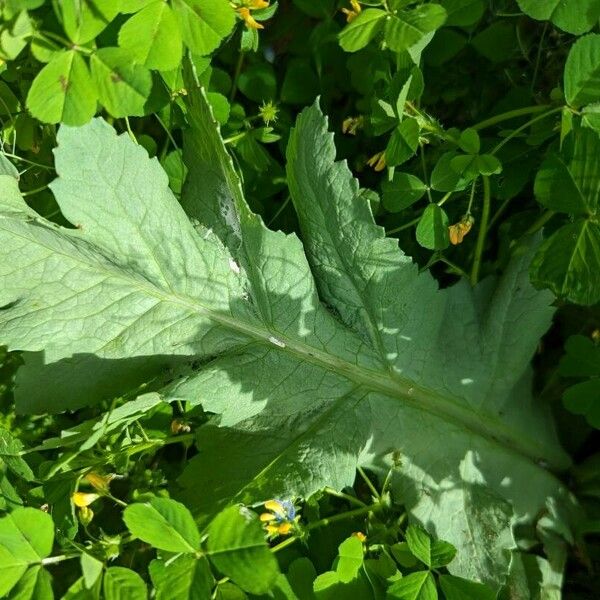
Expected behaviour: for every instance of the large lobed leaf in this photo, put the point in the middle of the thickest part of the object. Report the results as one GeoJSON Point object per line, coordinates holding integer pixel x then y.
{"type": "Point", "coordinates": [235, 314]}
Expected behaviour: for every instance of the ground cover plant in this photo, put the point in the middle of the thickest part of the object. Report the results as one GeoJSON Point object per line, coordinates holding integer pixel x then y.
{"type": "Point", "coordinates": [299, 300]}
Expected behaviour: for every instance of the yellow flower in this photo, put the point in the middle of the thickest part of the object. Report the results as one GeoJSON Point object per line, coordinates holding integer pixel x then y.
{"type": "Point", "coordinates": [257, 4]}
{"type": "Point", "coordinates": [179, 426]}
{"type": "Point", "coordinates": [281, 518]}
{"type": "Point", "coordinates": [250, 21]}
{"type": "Point", "coordinates": [99, 482]}
{"type": "Point", "coordinates": [377, 161]}
{"type": "Point", "coordinates": [352, 13]}
{"type": "Point", "coordinates": [83, 499]}
{"type": "Point", "coordinates": [351, 125]}
{"type": "Point", "coordinates": [458, 231]}
{"type": "Point", "coordinates": [268, 112]}
{"type": "Point", "coordinates": [360, 535]}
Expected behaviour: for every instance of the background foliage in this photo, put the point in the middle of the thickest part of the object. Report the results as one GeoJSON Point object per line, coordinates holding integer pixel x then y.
{"type": "Point", "coordinates": [475, 121]}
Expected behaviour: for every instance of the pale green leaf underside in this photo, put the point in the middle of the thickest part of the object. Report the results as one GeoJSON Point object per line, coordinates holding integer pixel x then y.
{"type": "Point", "coordinates": [303, 395]}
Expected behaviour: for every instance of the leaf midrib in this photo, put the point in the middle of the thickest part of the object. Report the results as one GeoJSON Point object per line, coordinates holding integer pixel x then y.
{"type": "Point", "coordinates": [442, 406]}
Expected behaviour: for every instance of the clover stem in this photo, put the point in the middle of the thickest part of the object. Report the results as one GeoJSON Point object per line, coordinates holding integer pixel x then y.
{"type": "Point", "coordinates": [236, 76]}
{"type": "Point", "coordinates": [402, 227]}
{"type": "Point", "coordinates": [347, 497]}
{"type": "Point", "coordinates": [525, 126]}
{"type": "Point", "coordinates": [540, 222]}
{"type": "Point", "coordinates": [357, 512]}
{"type": "Point", "coordinates": [483, 228]}
{"type": "Point", "coordinates": [511, 114]}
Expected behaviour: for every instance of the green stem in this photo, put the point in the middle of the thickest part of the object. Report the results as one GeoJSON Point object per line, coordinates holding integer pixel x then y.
{"type": "Point", "coordinates": [402, 227]}
{"type": "Point", "coordinates": [369, 483]}
{"type": "Point", "coordinates": [425, 173]}
{"type": "Point", "coordinates": [131, 134]}
{"type": "Point", "coordinates": [357, 512]}
{"type": "Point", "coordinates": [525, 126]}
{"type": "Point", "coordinates": [236, 76]}
{"type": "Point", "coordinates": [52, 560]}
{"type": "Point", "coordinates": [235, 138]}
{"type": "Point", "coordinates": [511, 114]}
{"type": "Point", "coordinates": [29, 162]}
{"type": "Point", "coordinates": [34, 191]}
{"type": "Point", "coordinates": [347, 497]}
{"type": "Point", "coordinates": [279, 210]}
{"type": "Point", "coordinates": [445, 199]}
{"type": "Point", "coordinates": [540, 222]}
{"type": "Point", "coordinates": [288, 542]}
{"type": "Point", "coordinates": [472, 196]}
{"type": "Point", "coordinates": [483, 228]}
{"type": "Point", "coordinates": [539, 57]}
{"type": "Point", "coordinates": [454, 266]}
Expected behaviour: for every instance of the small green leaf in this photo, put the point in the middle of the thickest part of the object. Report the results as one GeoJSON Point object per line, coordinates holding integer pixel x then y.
{"type": "Point", "coordinates": [584, 399]}
{"type": "Point", "coordinates": [220, 106]}
{"type": "Point", "coordinates": [63, 91]}
{"type": "Point", "coordinates": [204, 23]}
{"type": "Point", "coordinates": [442, 553]}
{"type": "Point", "coordinates": [463, 13]}
{"type": "Point", "coordinates": [123, 584]}
{"type": "Point", "coordinates": [362, 29]}
{"type": "Point", "coordinates": [258, 82]}
{"type": "Point", "coordinates": [403, 143]}
{"type": "Point", "coordinates": [457, 588]}
{"type": "Point", "coordinates": [83, 20]}
{"type": "Point", "coordinates": [350, 559]}
{"type": "Point", "coordinates": [582, 358]}
{"type": "Point", "coordinates": [568, 263]}
{"type": "Point", "coordinates": [27, 533]}
{"type": "Point", "coordinates": [582, 71]}
{"type": "Point", "coordinates": [498, 42]}
{"type": "Point", "coordinates": [10, 454]}
{"type": "Point", "coordinates": [237, 547]}
{"type": "Point", "coordinates": [444, 178]}
{"type": "Point", "coordinates": [416, 586]}
{"type": "Point", "coordinates": [572, 16]}
{"type": "Point", "coordinates": [408, 27]}
{"type": "Point", "coordinates": [403, 191]}
{"type": "Point", "coordinates": [301, 574]}
{"type": "Point", "coordinates": [465, 165]}
{"type": "Point", "coordinates": [418, 540]}
{"type": "Point", "coordinates": [488, 165]}
{"type": "Point", "coordinates": [26, 537]}
{"type": "Point", "coordinates": [11, 570]}
{"type": "Point", "coordinates": [123, 87]}
{"type": "Point", "coordinates": [433, 553]}
{"type": "Point", "coordinates": [164, 523]}
{"type": "Point", "coordinates": [556, 189]}
{"type": "Point", "coordinates": [35, 584]}
{"type": "Point", "coordinates": [403, 555]}
{"type": "Point", "coordinates": [432, 230]}
{"type": "Point", "coordinates": [91, 569]}
{"type": "Point", "coordinates": [185, 578]}
{"type": "Point", "coordinates": [44, 49]}
{"type": "Point", "coordinates": [176, 170]}
{"type": "Point", "coordinates": [152, 37]}
{"type": "Point", "coordinates": [469, 141]}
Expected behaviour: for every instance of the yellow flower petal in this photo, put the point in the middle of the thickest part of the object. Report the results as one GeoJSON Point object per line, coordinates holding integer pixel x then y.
{"type": "Point", "coordinates": [257, 4]}
{"type": "Point", "coordinates": [250, 21]}
{"type": "Point", "coordinates": [265, 517]}
{"type": "Point", "coordinates": [100, 482]}
{"type": "Point", "coordinates": [275, 507]}
{"type": "Point", "coordinates": [82, 499]}
{"type": "Point", "coordinates": [284, 528]}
